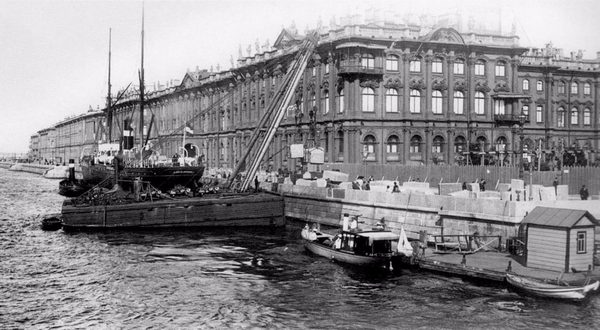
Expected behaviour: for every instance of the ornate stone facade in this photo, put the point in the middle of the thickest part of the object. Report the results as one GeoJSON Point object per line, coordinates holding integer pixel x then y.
{"type": "Point", "coordinates": [491, 91]}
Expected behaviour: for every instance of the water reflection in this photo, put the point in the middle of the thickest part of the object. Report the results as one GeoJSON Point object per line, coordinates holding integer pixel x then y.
{"type": "Point", "coordinates": [227, 278]}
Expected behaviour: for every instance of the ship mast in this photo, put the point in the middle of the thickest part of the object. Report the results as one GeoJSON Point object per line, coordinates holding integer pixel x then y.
{"type": "Point", "coordinates": [141, 75]}
{"type": "Point", "coordinates": [109, 114]}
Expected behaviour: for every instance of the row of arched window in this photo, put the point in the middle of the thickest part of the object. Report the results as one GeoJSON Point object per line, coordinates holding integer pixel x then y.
{"type": "Point", "coordinates": [561, 117]}
{"type": "Point", "coordinates": [438, 146]}
{"type": "Point", "coordinates": [415, 96]}
{"type": "Point", "coordinates": [437, 65]}
{"type": "Point", "coordinates": [561, 87]}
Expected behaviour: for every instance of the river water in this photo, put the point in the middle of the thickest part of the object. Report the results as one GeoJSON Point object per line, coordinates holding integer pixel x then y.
{"type": "Point", "coordinates": [247, 278]}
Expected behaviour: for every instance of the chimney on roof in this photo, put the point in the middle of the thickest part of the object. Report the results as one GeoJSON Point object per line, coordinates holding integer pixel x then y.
{"type": "Point", "coordinates": [572, 56]}
{"type": "Point", "coordinates": [598, 55]}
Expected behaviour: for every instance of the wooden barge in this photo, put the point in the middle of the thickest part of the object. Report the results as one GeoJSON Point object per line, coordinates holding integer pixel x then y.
{"type": "Point", "coordinates": [259, 209]}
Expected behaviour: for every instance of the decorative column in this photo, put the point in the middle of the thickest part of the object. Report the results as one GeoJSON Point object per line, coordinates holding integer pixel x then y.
{"type": "Point", "coordinates": [427, 110]}
{"type": "Point", "coordinates": [450, 147]}
{"type": "Point", "coordinates": [450, 75]}
{"type": "Point", "coordinates": [406, 146]}
{"type": "Point", "coordinates": [405, 77]}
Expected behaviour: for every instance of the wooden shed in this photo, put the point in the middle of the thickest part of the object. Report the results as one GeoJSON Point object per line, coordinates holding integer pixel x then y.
{"type": "Point", "coordinates": [559, 239]}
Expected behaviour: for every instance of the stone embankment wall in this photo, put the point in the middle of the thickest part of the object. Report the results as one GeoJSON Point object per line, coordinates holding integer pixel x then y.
{"type": "Point", "coordinates": [415, 212]}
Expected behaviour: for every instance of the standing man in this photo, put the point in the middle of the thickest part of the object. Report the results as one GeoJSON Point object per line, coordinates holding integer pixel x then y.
{"type": "Point", "coordinates": [256, 183]}
{"type": "Point", "coordinates": [555, 184]}
{"type": "Point", "coordinates": [584, 193]}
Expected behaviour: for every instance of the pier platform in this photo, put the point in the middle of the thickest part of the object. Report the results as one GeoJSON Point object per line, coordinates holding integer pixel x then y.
{"type": "Point", "coordinates": [492, 266]}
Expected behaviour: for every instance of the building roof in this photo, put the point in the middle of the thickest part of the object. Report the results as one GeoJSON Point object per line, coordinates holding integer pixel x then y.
{"type": "Point", "coordinates": [379, 235]}
{"type": "Point", "coordinates": [557, 217]}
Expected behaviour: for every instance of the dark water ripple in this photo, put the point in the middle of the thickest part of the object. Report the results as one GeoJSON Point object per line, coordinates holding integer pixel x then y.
{"type": "Point", "coordinates": [226, 279]}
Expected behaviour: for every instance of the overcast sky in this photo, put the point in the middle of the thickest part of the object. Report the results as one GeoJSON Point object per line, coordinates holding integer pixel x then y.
{"type": "Point", "coordinates": [53, 54]}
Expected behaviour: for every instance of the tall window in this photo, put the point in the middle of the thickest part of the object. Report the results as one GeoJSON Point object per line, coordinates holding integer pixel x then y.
{"type": "Point", "coordinates": [574, 88]}
{"type": "Point", "coordinates": [314, 71]}
{"type": "Point", "coordinates": [587, 89]}
{"type": "Point", "coordinates": [561, 87]}
{"type": "Point", "coordinates": [369, 148]}
{"type": "Point", "coordinates": [436, 102]}
{"type": "Point", "coordinates": [560, 117]}
{"type": "Point", "coordinates": [391, 148]}
{"type": "Point", "coordinates": [459, 67]}
{"type": "Point", "coordinates": [437, 146]}
{"type": "Point", "coordinates": [538, 114]}
{"type": "Point", "coordinates": [587, 117]}
{"type": "Point", "coordinates": [482, 142]}
{"type": "Point", "coordinates": [391, 63]}
{"type": "Point", "coordinates": [367, 61]}
{"type": "Point", "coordinates": [500, 69]}
{"type": "Point", "coordinates": [501, 144]}
{"type": "Point", "coordinates": [415, 101]}
{"type": "Point", "coordinates": [340, 145]}
{"type": "Point", "coordinates": [581, 242]}
{"type": "Point", "coordinates": [525, 110]}
{"type": "Point", "coordinates": [479, 103]}
{"type": "Point", "coordinates": [368, 99]}
{"type": "Point", "coordinates": [326, 68]}
{"type": "Point", "coordinates": [479, 68]}
{"type": "Point", "coordinates": [325, 102]}
{"type": "Point", "coordinates": [539, 86]}
{"type": "Point", "coordinates": [459, 102]}
{"type": "Point", "coordinates": [525, 85]}
{"type": "Point", "coordinates": [460, 144]}
{"type": "Point", "coordinates": [340, 101]}
{"type": "Point", "coordinates": [415, 145]}
{"type": "Point", "coordinates": [436, 65]}
{"type": "Point", "coordinates": [392, 145]}
{"type": "Point", "coordinates": [391, 100]}
{"type": "Point", "coordinates": [574, 116]}
{"type": "Point", "coordinates": [499, 108]}
{"type": "Point", "coordinates": [415, 65]}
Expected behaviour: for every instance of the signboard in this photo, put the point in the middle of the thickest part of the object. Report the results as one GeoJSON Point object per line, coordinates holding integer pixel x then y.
{"type": "Point", "coordinates": [317, 156]}
{"type": "Point", "coordinates": [297, 150]}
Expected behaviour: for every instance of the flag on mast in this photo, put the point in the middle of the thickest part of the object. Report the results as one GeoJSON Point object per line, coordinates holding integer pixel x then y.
{"type": "Point", "coordinates": [189, 130]}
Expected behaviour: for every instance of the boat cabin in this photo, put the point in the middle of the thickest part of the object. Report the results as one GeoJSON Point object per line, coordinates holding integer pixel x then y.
{"type": "Point", "coordinates": [367, 243]}
{"type": "Point", "coordinates": [559, 239]}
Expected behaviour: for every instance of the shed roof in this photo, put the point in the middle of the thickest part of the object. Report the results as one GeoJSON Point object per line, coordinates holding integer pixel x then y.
{"type": "Point", "coordinates": [557, 217]}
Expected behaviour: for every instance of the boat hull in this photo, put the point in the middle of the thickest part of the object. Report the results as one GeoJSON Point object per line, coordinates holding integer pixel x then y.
{"type": "Point", "coordinates": [346, 257]}
{"type": "Point", "coordinates": [233, 210]}
{"type": "Point", "coordinates": [549, 290]}
{"type": "Point", "coordinates": [161, 177]}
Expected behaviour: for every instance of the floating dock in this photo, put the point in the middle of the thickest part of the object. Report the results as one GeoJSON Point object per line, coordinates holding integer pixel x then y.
{"type": "Point", "coordinates": [489, 266]}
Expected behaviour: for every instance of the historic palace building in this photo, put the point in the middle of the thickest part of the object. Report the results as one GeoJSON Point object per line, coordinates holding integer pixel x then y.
{"type": "Point", "coordinates": [373, 93]}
